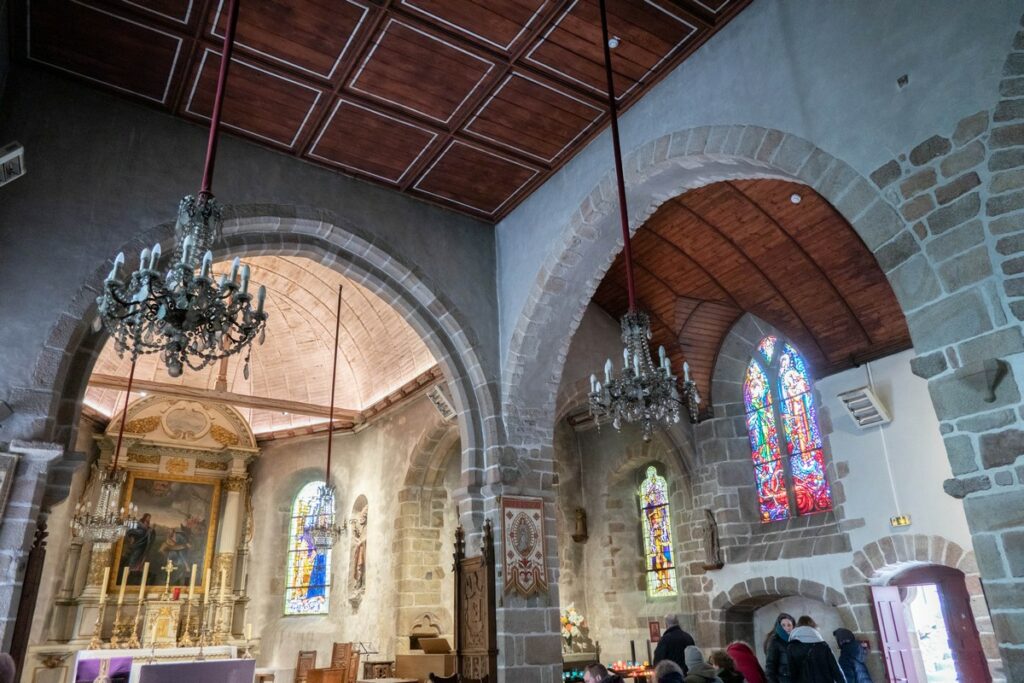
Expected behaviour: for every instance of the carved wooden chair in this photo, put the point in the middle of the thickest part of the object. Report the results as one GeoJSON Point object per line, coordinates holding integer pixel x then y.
{"type": "Point", "coordinates": [303, 665]}
{"type": "Point", "coordinates": [341, 653]}
{"type": "Point", "coordinates": [353, 667]}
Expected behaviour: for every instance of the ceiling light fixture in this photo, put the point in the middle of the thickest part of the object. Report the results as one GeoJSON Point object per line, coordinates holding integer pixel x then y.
{"type": "Point", "coordinates": [320, 524]}
{"type": "Point", "coordinates": [189, 319]}
{"type": "Point", "coordinates": [642, 391]}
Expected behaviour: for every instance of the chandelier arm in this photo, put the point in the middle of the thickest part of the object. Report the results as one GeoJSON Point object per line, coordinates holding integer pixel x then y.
{"type": "Point", "coordinates": [627, 251]}
{"type": "Point", "coordinates": [218, 101]}
{"type": "Point", "coordinates": [124, 416]}
{"type": "Point", "coordinates": [334, 376]}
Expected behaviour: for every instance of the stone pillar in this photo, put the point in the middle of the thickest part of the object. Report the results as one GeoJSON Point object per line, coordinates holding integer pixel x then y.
{"type": "Point", "coordinates": [229, 529]}
{"type": "Point", "coordinates": [19, 523]}
{"type": "Point", "coordinates": [67, 588]}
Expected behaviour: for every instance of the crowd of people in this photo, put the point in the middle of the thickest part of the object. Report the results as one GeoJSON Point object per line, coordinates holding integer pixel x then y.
{"type": "Point", "coordinates": [795, 652]}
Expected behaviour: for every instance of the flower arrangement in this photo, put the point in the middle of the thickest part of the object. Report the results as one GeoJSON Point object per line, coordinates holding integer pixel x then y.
{"type": "Point", "coordinates": [573, 624]}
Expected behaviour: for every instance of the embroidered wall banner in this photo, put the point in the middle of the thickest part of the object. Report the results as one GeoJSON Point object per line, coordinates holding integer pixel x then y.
{"type": "Point", "coordinates": [522, 532]}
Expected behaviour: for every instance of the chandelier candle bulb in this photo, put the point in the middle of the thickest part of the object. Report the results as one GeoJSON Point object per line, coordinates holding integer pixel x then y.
{"type": "Point", "coordinates": [235, 262]}
{"type": "Point", "coordinates": [261, 296]}
{"type": "Point", "coordinates": [608, 368]}
{"type": "Point", "coordinates": [245, 279]}
{"type": "Point", "coordinates": [143, 258]}
{"type": "Point", "coordinates": [207, 264]}
{"type": "Point", "coordinates": [118, 262]}
{"type": "Point", "coordinates": [593, 383]}
{"type": "Point", "coordinates": [686, 371]}
{"type": "Point", "coordinates": [154, 257]}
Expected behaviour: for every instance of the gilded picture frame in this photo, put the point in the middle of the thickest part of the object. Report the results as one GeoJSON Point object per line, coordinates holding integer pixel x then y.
{"type": "Point", "coordinates": [178, 517]}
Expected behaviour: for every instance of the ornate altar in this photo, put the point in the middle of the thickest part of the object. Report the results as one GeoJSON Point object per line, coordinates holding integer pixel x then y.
{"type": "Point", "coordinates": [178, 578]}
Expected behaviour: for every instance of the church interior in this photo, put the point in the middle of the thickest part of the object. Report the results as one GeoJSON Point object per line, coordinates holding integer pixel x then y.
{"type": "Point", "coordinates": [493, 340]}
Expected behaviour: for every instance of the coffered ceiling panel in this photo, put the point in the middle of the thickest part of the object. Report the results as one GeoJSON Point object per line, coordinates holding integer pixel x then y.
{"type": "Point", "coordinates": [711, 254]}
{"type": "Point", "coordinates": [470, 104]}
{"type": "Point", "coordinates": [264, 104]}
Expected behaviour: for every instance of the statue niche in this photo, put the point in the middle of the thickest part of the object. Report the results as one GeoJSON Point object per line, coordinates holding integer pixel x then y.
{"type": "Point", "coordinates": [712, 549]}
{"type": "Point", "coordinates": [357, 557]}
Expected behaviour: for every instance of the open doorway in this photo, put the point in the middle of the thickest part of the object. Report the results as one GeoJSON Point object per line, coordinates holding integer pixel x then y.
{"type": "Point", "coordinates": [927, 628]}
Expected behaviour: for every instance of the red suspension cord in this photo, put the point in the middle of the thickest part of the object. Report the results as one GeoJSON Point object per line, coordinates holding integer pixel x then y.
{"type": "Point", "coordinates": [334, 376]}
{"type": "Point", "coordinates": [124, 417]}
{"type": "Point", "coordinates": [627, 252]}
{"type": "Point", "coordinates": [218, 100]}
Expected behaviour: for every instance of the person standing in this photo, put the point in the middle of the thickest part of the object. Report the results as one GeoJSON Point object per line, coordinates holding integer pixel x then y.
{"type": "Point", "coordinates": [746, 662]}
{"type": "Point", "coordinates": [668, 671]}
{"type": "Point", "coordinates": [721, 660]}
{"type": "Point", "coordinates": [776, 657]}
{"type": "Point", "coordinates": [699, 670]}
{"type": "Point", "coordinates": [673, 643]}
{"type": "Point", "coordinates": [851, 657]}
{"type": "Point", "coordinates": [810, 658]}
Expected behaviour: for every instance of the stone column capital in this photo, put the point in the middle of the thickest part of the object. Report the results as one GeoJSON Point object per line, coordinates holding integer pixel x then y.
{"type": "Point", "coordinates": [38, 453]}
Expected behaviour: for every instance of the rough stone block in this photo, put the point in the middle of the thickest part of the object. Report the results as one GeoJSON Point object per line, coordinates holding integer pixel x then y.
{"type": "Point", "coordinates": [835, 181]}
{"type": "Point", "coordinates": [948, 321]}
{"type": "Point", "coordinates": [1007, 136]}
{"type": "Point", "coordinates": [878, 225]}
{"type": "Point", "coordinates": [1014, 64]}
{"type": "Point", "coordinates": [1004, 478]}
{"type": "Point", "coordinates": [896, 251]}
{"type": "Point", "coordinates": [918, 207]}
{"type": "Point", "coordinates": [1004, 203]}
{"type": "Point", "coordinates": [1014, 286]}
{"type": "Point", "coordinates": [957, 187]}
{"type": "Point", "coordinates": [1013, 547]}
{"type": "Point", "coordinates": [952, 215]}
{"type": "Point", "coordinates": [963, 159]}
{"type": "Point", "coordinates": [931, 148]}
{"type": "Point", "coordinates": [1006, 181]}
{"type": "Point", "coordinates": [966, 269]}
{"type": "Point", "coordinates": [998, 344]}
{"type": "Point", "coordinates": [886, 174]}
{"type": "Point", "coordinates": [953, 398]}
{"type": "Point", "coordinates": [1014, 266]}
{"type": "Point", "coordinates": [961, 488]}
{"type": "Point", "coordinates": [1010, 245]}
{"type": "Point", "coordinates": [772, 140]}
{"type": "Point", "coordinates": [956, 241]}
{"type": "Point", "coordinates": [1011, 87]}
{"type": "Point", "coordinates": [1009, 110]}
{"type": "Point", "coordinates": [960, 452]}
{"type": "Point", "coordinates": [984, 423]}
{"type": "Point", "coordinates": [929, 365]}
{"type": "Point", "coordinates": [917, 183]}
{"type": "Point", "coordinates": [792, 154]}
{"type": "Point", "coordinates": [1001, 448]}
{"type": "Point", "coordinates": [1003, 511]}
{"type": "Point", "coordinates": [914, 283]}
{"type": "Point", "coordinates": [970, 127]}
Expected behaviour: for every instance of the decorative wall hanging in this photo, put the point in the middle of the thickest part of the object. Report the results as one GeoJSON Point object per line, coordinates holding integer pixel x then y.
{"type": "Point", "coordinates": [522, 533]}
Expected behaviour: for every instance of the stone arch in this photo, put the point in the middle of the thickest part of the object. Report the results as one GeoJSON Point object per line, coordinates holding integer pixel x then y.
{"type": "Point", "coordinates": [64, 364]}
{"type": "Point", "coordinates": [660, 169]}
{"type": "Point", "coordinates": [732, 609]}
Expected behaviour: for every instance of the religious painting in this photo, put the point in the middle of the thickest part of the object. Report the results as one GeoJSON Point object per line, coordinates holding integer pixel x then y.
{"type": "Point", "coordinates": [522, 527]}
{"type": "Point", "coordinates": [177, 525]}
{"type": "Point", "coordinates": [657, 529]}
{"type": "Point", "coordinates": [308, 572]}
{"type": "Point", "coordinates": [654, 630]}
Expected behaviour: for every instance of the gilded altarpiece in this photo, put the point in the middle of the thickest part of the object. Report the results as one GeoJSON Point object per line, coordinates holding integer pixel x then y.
{"type": "Point", "coordinates": [188, 473]}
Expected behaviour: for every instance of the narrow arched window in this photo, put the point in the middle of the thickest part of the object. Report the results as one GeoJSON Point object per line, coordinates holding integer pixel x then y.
{"type": "Point", "coordinates": [657, 530]}
{"type": "Point", "coordinates": [308, 573]}
{"type": "Point", "coordinates": [778, 397]}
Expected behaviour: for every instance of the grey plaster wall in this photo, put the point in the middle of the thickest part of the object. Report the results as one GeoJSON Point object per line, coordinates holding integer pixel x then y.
{"type": "Point", "coordinates": [105, 169]}
{"type": "Point", "coordinates": [824, 71]}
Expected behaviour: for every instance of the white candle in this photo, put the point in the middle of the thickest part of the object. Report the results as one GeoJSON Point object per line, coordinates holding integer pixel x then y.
{"type": "Point", "coordinates": [117, 264]}
{"type": "Point", "coordinates": [686, 371]}
{"type": "Point", "coordinates": [142, 586]}
{"type": "Point", "coordinates": [154, 257]}
{"type": "Point", "coordinates": [124, 582]}
{"type": "Point", "coordinates": [245, 279]}
{"type": "Point", "coordinates": [192, 582]}
{"type": "Point", "coordinates": [234, 269]}
{"type": "Point", "coordinates": [608, 371]}
{"type": "Point", "coordinates": [625, 358]}
{"type": "Point", "coordinates": [207, 262]}
{"type": "Point", "coordinates": [103, 585]}
{"type": "Point", "coordinates": [206, 584]}
{"type": "Point", "coordinates": [143, 258]}
{"type": "Point", "coordinates": [593, 383]}
{"type": "Point", "coordinates": [248, 632]}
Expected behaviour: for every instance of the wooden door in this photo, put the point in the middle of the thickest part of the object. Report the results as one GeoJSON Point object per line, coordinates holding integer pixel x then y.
{"type": "Point", "coordinates": [892, 628]}
{"type": "Point", "coordinates": [964, 643]}
{"type": "Point", "coordinates": [476, 636]}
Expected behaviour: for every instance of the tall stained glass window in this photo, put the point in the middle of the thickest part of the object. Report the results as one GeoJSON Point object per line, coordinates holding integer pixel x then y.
{"type": "Point", "coordinates": [657, 527]}
{"type": "Point", "coordinates": [790, 473]}
{"type": "Point", "coordinates": [308, 573]}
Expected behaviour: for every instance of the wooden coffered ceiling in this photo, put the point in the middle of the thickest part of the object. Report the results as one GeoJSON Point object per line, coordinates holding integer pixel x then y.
{"type": "Point", "coordinates": [470, 104]}
{"type": "Point", "coordinates": [708, 256]}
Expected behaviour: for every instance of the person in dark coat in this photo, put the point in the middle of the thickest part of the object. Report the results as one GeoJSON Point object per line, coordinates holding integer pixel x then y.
{"type": "Point", "coordinates": [746, 662]}
{"type": "Point", "coordinates": [851, 657]}
{"type": "Point", "coordinates": [673, 643]}
{"type": "Point", "coordinates": [721, 660]}
{"type": "Point", "coordinates": [776, 657]}
{"type": "Point", "coordinates": [668, 671]}
{"type": "Point", "coordinates": [811, 659]}
{"type": "Point", "coordinates": [699, 670]}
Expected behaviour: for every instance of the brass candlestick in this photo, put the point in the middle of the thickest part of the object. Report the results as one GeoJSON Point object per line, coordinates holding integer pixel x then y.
{"type": "Point", "coordinates": [116, 632]}
{"type": "Point", "coordinates": [96, 642]}
{"type": "Point", "coordinates": [133, 641]}
{"type": "Point", "coordinates": [186, 637]}
{"type": "Point", "coordinates": [218, 623]}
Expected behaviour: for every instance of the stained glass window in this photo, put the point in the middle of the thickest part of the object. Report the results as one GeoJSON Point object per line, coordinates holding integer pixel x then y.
{"type": "Point", "coordinates": [777, 391]}
{"type": "Point", "coordinates": [657, 525]}
{"type": "Point", "coordinates": [308, 574]}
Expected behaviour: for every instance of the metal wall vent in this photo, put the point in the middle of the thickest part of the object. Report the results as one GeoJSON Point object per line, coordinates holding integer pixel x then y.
{"type": "Point", "coordinates": [866, 409]}
{"type": "Point", "coordinates": [12, 162]}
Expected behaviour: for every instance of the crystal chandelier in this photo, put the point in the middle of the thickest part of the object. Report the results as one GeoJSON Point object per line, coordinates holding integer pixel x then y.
{"type": "Point", "coordinates": [320, 524]}
{"type": "Point", "coordinates": [643, 391]}
{"type": "Point", "coordinates": [189, 319]}
{"type": "Point", "coordinates": [109, 520]}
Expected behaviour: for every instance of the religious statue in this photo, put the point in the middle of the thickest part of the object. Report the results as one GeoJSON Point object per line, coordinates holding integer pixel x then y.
{"type": "Point", "coordinates": [712, 549]}
{"type": "Point", "coordinates": [357, 576]}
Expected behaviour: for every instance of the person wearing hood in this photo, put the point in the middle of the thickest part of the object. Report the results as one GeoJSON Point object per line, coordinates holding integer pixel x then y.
{"type": "Point", "coordinates": [810, 658]}
{"type": "Point", "coordinates": [673, 643]}
{"type": "Point", "coordinates": [746, 662]}
{"type": "Point", "coordinates": [668, 671]}
{"type": "Point", "coordinates": [851, 657]}
{"type": "Point", "coordinates": [776, 657]}
{"type": "Point", "coordinates": [699, 671]}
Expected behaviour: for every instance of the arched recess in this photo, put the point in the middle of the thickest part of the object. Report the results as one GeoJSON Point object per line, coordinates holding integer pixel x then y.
{"type": "Point", "coordinates": [661, 169]}
{"type": "Point", "coordinates": [63, 367]}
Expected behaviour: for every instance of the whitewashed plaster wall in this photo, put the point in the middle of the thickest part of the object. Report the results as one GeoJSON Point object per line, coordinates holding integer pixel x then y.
{"type": "Point", "coordinates": [371, 463]}
{"type": "Point", "coordinates": [826, 616]}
